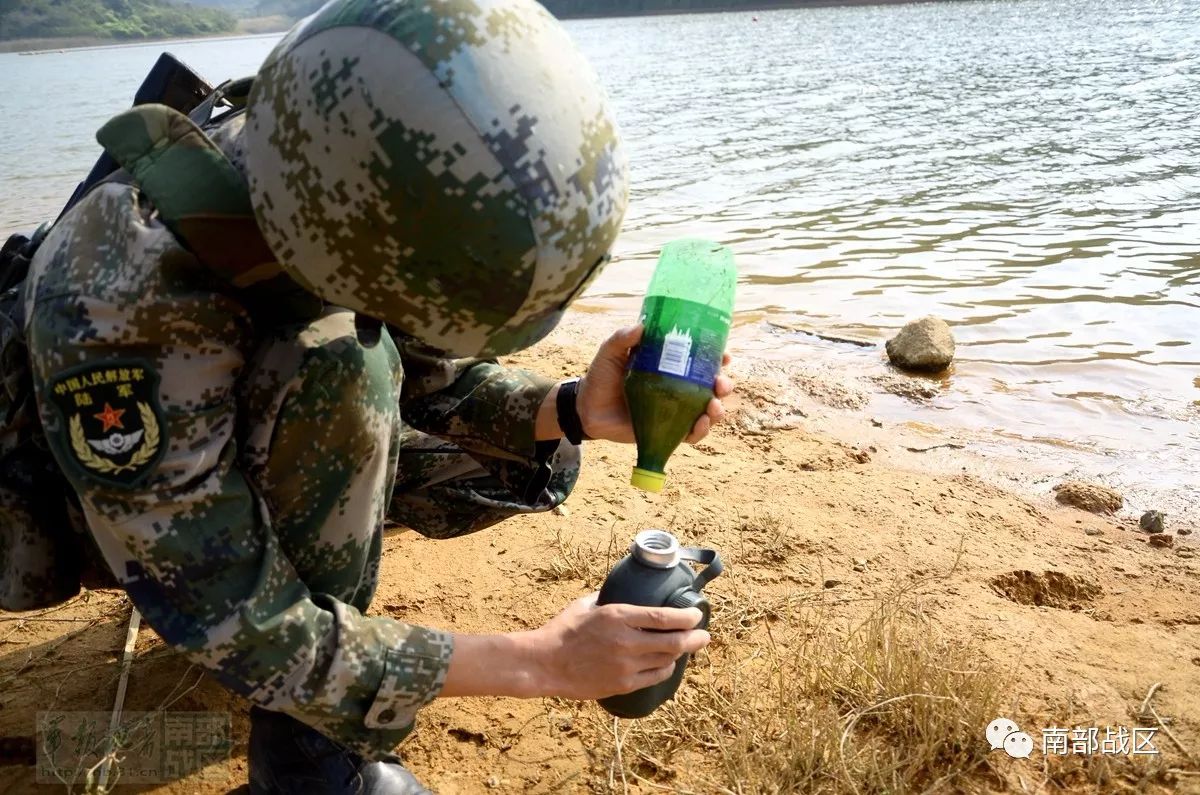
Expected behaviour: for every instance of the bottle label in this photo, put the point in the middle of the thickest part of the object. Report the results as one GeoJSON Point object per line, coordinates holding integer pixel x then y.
{"type": "Point", "coordinates": [683, 339]}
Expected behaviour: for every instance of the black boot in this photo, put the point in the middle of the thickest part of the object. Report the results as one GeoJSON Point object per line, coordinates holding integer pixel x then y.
{"type": "Point", "coordinates": [287, 757]}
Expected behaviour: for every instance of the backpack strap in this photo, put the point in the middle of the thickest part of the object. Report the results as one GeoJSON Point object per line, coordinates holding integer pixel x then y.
{"type": "Point", "coordinates": [232, 94]}
{"type": "Point", "coordinates": [198, 193]}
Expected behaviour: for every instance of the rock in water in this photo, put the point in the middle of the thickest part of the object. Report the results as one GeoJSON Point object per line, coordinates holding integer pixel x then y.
{"type": "Point", "coordinates": [1151, 522]}
{"type": "Point", "coordinates": [1089, 496]}
{"type": "Point", "coordinates": [926, 345]}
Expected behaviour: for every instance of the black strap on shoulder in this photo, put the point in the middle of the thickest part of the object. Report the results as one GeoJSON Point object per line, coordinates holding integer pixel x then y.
{"type": "Point", "coordinates": [232, 94]}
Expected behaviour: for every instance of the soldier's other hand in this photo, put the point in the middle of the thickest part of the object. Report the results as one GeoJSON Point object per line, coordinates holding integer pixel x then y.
{"type": "Point", "coordinates": [602, 407]}
{"type": "Point", "coordinates": [589, 652]}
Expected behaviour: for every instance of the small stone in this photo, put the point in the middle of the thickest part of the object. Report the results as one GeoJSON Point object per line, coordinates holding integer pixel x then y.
{"type": "Point", "coordinates": [832, 583]}
{"type": "Point", "coordinates": [1162, 540]}
{"type": "Point", "coordinates": [860, 561]}
{"type": "Point", "coordinates": [1093, 531]}
{"type": "Point", "coordinates": [877, 423]}
{"type": "Point", "coordinates": [1151, 522]}
{"type": "Point", "coordinates": [561, 510]}
{"type": "Point", "coordinates": [1184, 531]}
{"type": "Point", "coordinates": [493, 781]}
{"type": "Point", "coordinates": [859, 569]}
{"type": "Point", "coordinates": [1089, 496]}
{"type": "Point", "coordinates": [918, 390]}
{"type": "Point", "coordinates": [1185, 552]}
{"type": "Point", "coordinates": [925, 345]}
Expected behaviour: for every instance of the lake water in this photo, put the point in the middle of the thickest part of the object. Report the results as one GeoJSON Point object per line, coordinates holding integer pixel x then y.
{"type": "Point", "coordinates": [1027, 169]}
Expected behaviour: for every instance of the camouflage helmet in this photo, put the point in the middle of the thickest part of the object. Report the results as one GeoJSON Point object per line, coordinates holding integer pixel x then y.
{"type": "Point", "coordinates": [450, 167]}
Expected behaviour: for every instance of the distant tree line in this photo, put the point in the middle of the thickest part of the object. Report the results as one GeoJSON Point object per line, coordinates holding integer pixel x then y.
{"type": "Point", "coordinates": [109, 19]}
{"type": "Point", "coordinates": [562, 8]}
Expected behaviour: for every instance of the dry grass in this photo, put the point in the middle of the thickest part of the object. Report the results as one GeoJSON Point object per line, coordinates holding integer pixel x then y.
{"type": "Point", "coordinates": [767, 539]}
{"type": "Point", "coordinates": [792, 698]}
{"type": "Point", "coordinates": [1114, 774]}
{"type": "Point", "coordinates": [788, 698]}
{"type": "Point", "coordinates": [574, 560]}
{"type": "Point", "coordinates": [883, 706]}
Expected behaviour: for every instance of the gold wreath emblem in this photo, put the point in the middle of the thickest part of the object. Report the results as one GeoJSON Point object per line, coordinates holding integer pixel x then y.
{"type": "Point", "coordinates": [102, 465]}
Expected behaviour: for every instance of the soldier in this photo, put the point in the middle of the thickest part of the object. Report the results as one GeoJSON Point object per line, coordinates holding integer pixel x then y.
{"type": "Point", "coordinates": [240, 407]}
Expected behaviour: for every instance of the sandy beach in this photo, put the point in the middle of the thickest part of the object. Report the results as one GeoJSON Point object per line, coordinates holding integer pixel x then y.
{"type": "Point", "coordinates": [885, 599]}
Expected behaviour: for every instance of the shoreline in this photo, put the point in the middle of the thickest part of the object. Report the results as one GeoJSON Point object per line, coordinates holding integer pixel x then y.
{"type": "Point", "coordinates": [265, 26]}
{"type": "Point", "coordinates": [766, 5]}
{"type": "Point", "coordinates": [845, 388]}
{"type": "Point", "coordinates": [53, 46]}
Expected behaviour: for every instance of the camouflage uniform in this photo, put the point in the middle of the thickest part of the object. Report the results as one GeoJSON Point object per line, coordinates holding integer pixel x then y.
{"type": "Point", "coordinates": [237, 447]}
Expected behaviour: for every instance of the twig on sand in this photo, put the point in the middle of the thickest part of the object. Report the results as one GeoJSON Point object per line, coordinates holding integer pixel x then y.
{"type": "Point", "coordinates": [663, 787]}
{"type": "Point", "coordinates": [820, 336]}
{"type": "Point", "coordinates": [65, 605]}
{"type": "Point", "coordinates": [1144, 712]}
{"type": "Point", "coordinates": [950, 445]}
{"type": "Point", "coordinates": [1148, 711]}
{"type": "Point", "coordinates": [617, 760]}
{"type": "Point", "coordinates": [39, 619]}
{"type": "Point", "coordinates": [135, 623]}
{"type": "Point", "coordinates": [861, 712]}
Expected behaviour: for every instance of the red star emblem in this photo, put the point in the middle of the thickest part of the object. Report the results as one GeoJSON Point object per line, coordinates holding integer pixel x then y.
{"type": "Point", "coordinates": [110, 417]}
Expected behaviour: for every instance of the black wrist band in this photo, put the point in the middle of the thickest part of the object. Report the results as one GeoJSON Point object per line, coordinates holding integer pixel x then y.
{"type": "Point", "coordinates": [568, 412]}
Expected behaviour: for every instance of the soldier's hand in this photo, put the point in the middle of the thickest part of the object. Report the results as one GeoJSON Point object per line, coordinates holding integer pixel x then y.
{"type": "Point", "coordinates": [601, 404]}
{"type": "Point", "coordinates": [590, 652]}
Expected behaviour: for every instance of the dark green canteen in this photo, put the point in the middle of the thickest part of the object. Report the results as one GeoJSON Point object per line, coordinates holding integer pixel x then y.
{"type": "Point", "coordinates": [657, 573]}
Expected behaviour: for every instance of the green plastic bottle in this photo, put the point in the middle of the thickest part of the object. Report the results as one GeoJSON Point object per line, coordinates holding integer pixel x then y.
{"type": "Point", "coordinates": [687, 312]}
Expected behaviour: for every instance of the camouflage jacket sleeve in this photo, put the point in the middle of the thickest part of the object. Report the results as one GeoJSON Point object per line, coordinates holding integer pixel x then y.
{"type": "Point", "coordinates": [481, 406]}
{"type": "Point", "coordinates": [136, 352]}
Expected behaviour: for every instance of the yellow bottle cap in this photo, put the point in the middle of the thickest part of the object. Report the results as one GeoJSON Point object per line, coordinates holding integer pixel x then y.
{"type": "Point", "coordinates": [648, 481]}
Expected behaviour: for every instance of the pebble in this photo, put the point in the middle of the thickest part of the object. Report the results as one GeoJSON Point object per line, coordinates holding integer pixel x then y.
{"type": "Point", "coordinates": [1089, 496]}
{"type": "Point", "coordinates": [926, 344]}
{"type": "Point", "coordinates": [832, 583]}
{"type": "Point", "coordinates": [561, 510]}
{"type": "Point", "coordinates": [1151, 522]}
{"type": "Point", "coordinates": [1092, 531]}
{"type": "Point", "coordinates": [1162, 540]}
{"type": "Point", "coordinates": [1186, 552]}
{"type": "Point", "coordinates": [1184, 531]}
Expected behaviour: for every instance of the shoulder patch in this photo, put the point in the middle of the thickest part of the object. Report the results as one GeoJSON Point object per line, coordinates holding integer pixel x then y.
{"type": "Point", "coordinates": [111, 422]}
